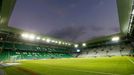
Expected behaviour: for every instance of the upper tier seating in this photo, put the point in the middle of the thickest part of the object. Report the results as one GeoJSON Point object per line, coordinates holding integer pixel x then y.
{"type": "Point", "coordinates": [113, 50]}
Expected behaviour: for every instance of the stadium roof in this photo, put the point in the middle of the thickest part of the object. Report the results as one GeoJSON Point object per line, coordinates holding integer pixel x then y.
{"type": "Point", "coordinates": [124, 11]}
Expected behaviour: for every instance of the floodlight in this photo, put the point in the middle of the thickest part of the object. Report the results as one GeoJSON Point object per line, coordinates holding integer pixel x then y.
{"type": "Point", "coordinates": [69, 44]}
{"type": "Point", "coordinates": [25, 35]}
{"type": "Point", "coordinates": [53, 40]}
{"type": "Point", "coordinates": [48, 40]}
{"type": "Point", "coordinates": [59, 42]}
{"type": "Point", "coordinates": [43, 39]}
{"type": "Point", "coordinates": [83, 44]}
{"type": "Point", "coordinates": [38, 38]}
{"type": "Point", "coordinates": [115, 38]}
{"type": "Point", "coordinates": [31, 36]}
{"type": "Point", "coordinates": [76, 45]}
{"type": "Point", "coordinates": [78, 50]}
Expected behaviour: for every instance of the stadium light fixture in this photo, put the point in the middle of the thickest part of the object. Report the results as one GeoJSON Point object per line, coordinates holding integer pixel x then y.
{"type": "Point", "coordinates": [43, 39]}
{"type": "Point", "coordinates": [84, 44]}
{"type": "Point", "coordinates": [115, 39]}
{"type": "Point", "coordinates": [25, 35]}
{"type": "Point", "coordinates": [38, 38]}
{"type": "Point", "coordinates": [48, 40]}
{"type": "Point", "coordinates": [28, 36]}
{"type": "Point", "coordinates": [56, 41]}
{"type": "Point", "coordinates": [69, 44]}
{"type": "Point", "coordinates": [59, 42]}
{"type": "Point", "coordinates": [31, 36]}
{"type": "Point", "coordinates": [78, 50]}
{"type": "Point", "coordinates": [63, 43]}
{"type": "Point", "coordinates": [53, 41]}
{"type": "Point", "coordinates": [76, 45]}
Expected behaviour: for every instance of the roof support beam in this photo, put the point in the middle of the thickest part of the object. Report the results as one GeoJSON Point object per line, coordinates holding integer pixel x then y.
{"type": "Point", "coordinates": [124, 13]}
{"type": "Point", "coordinates": [6, 10]}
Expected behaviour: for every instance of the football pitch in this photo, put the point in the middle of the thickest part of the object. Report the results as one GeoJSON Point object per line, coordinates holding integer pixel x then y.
{"type": "Point", "coordinates": [74, 66]}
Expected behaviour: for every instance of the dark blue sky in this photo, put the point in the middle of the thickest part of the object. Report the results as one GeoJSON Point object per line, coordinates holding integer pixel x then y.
{"type": "Point", "coordinates": [73, 20]}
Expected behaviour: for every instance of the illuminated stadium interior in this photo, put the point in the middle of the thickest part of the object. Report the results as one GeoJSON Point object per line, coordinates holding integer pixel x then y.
{"type": "Point", "coordinates": [66, 37]}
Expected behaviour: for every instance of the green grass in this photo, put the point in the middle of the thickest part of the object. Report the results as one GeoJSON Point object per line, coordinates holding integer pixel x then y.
{"type": "Point", "coordinates": [76, 66]}
{"type": "Point", "coordinates": [14, 71]}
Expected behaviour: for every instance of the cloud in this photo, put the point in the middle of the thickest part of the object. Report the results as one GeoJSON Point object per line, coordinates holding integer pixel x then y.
{"type": "Point", "coordinates": [80, 33]}
{"type": "Point", "coordinates": [72, 33]}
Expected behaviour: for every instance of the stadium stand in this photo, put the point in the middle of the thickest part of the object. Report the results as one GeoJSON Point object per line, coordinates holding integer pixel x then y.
{"type": "Point", "coordinates": [12, 48]}
{"type": "Point", "coordinates": [109, 50]}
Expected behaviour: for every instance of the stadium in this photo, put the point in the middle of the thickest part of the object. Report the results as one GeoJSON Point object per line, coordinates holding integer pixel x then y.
{"type": "Point", "coordinates": [25, 52]}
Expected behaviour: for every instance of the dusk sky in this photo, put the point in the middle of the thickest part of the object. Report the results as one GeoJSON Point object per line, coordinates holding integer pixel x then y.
{"type": "Point", "coordinates": [73, 20]}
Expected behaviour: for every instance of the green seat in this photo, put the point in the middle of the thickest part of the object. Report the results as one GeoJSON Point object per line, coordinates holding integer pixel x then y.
{"type": "Point", "coordinates": [8, 45]}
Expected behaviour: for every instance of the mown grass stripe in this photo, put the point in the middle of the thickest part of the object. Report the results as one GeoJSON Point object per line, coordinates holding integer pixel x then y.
{"type": "Point", "coordinates": [130, 60]}
{"type": "Point", "coordinates": [104, 73]}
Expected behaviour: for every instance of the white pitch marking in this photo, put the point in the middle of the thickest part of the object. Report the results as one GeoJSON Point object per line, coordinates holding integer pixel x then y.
{"type": "Point", "coordinates": [130, 60]}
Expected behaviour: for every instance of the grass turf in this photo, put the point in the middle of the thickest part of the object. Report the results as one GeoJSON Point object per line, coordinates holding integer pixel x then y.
{"type": "Point", "coordinates": [75, 66]}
